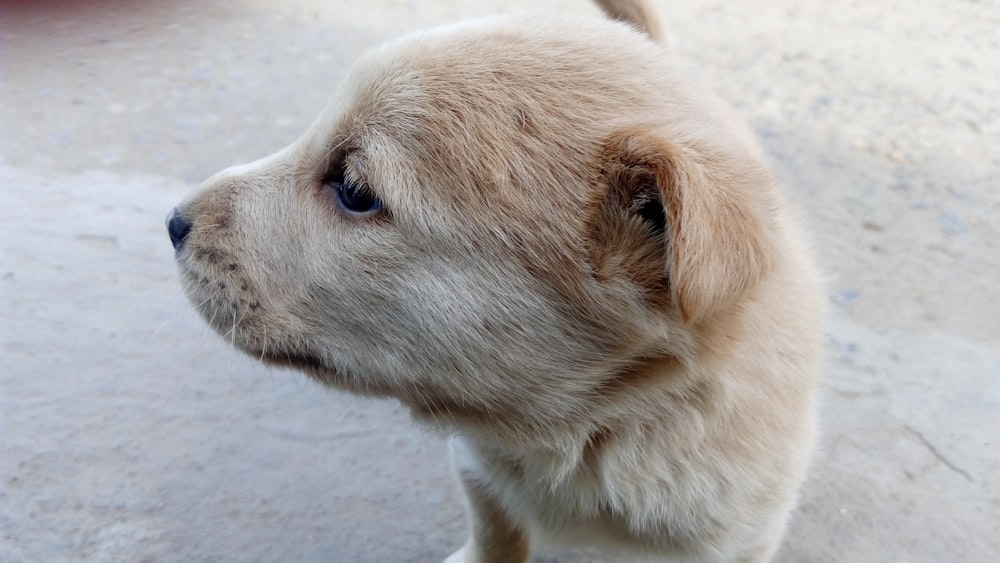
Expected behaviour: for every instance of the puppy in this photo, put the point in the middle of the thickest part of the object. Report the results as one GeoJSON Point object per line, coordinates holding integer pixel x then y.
{"type": "Point", "coordinates": [539, 236]}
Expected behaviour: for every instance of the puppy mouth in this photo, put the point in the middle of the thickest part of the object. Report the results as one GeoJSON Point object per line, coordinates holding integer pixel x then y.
{"type": "Point", "coordinates": [318, 370]}
{"type": "Point", "coordinates": [241, 324]}
{"type": "Point", "coordinates": [227, 299]}
{"type": "Point", "coordinates": [304, 362]}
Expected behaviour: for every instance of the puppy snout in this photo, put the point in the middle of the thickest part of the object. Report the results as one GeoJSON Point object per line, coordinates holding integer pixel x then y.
{"type": "Point", "coordinates": [178, 227]}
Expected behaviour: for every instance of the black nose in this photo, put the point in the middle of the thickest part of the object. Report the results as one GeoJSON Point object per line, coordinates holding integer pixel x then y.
{"type": "Point", "coordinates": [178, 227]}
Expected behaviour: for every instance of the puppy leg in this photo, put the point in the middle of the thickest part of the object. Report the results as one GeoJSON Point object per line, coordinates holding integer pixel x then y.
{"type": "Point", "coordinates": [763, 552]}
{"type": "Point", "coordinates": [768, 545]}
{"type": "Point", "coordinates": [495, 538]}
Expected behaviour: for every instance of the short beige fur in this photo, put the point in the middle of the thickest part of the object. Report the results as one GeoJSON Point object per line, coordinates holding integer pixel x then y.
{"type": "Point", "coordinates": [582, 270]}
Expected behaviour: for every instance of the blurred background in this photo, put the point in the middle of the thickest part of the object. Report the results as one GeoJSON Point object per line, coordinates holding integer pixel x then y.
{"type": "Point", "coordinates": [130, 432]}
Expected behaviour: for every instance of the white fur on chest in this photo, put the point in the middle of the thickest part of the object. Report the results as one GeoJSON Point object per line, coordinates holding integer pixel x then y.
{"type": "Point", "coordinates": [642, 505]}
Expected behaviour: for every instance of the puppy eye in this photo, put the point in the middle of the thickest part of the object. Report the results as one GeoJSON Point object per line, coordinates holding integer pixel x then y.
{"type": "Point", "coordinates": [353, 198]}
{"type": "Point", "coordinates": [357, 199]}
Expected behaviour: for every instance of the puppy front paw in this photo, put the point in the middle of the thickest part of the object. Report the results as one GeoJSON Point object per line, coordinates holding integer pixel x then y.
{"type": "Point", "coordinates": [460, 556]}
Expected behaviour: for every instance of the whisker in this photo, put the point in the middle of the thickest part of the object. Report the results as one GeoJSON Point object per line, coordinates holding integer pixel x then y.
{"type": "Point", "coordinates": [263, 344]}
{"type": "Point", "coordinates": [215, 311]}
{"type": "Point", "coordinates": [232, 331]}
{"type": "Point", "coordinates": [253, 377]}
{"type": "Point", "coordinates": [159, 329]}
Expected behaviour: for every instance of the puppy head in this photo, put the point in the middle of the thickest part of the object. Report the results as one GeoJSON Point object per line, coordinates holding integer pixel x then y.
{"type": "Point", "coordinates": [490, 222]}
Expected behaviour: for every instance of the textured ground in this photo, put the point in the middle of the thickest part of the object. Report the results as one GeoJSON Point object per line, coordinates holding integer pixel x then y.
{"type": "Point", "coordinates": [130, 432]}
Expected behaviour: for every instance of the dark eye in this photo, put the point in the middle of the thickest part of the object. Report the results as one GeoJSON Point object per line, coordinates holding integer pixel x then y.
{"type": "Point", "coordinates": [352, 197]}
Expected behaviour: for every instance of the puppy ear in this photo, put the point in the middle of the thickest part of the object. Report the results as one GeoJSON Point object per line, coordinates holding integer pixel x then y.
{"type": "Point", "coordinates": [706, 216]}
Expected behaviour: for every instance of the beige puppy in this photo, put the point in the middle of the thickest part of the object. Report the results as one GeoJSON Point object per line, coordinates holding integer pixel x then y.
{"type": "Point", "coordinates": [540, 237]}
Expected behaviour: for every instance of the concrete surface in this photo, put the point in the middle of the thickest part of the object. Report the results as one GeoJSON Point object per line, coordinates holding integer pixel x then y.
{"type": "Point", "coordinates": [132, 433]}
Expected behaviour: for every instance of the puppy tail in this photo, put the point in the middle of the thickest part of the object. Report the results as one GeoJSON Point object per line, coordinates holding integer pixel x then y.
{"type": "Point", "coordinates": [639, 13]}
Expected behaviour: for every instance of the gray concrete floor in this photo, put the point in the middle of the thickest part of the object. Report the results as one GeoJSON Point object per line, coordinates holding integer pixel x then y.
{"type": "Point", "coordinates": [131, 433]}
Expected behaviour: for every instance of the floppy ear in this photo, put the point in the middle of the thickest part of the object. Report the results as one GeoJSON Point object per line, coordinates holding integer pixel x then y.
{"type": "Point", "coordinates": [712, 225]}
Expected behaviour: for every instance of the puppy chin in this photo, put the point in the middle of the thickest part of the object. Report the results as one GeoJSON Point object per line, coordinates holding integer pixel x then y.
{"type": "Point", "coordinates": [308, 364]}
{"type": "Point", "coordinates": [320, 371]}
